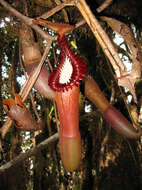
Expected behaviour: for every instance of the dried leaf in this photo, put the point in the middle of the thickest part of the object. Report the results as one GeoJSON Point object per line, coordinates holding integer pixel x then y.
{"type": "Point", "coordinates": [127, 79]}
{"type": "Point", "coordinates": [17, 111]}
{"type": "Point", "coordinates": [129, 83]}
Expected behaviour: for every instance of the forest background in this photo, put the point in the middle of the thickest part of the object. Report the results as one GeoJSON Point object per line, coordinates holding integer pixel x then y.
{"type": "Point", "coordinates": [108, 35]}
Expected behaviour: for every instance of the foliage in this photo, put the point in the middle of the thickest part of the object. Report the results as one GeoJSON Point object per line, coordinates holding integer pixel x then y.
{"type": "Point", "coordinates": [109, 161]}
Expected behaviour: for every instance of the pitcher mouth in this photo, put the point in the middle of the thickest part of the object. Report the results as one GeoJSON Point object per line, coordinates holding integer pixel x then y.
{"type": "Point", "coordinates": [70, 70]}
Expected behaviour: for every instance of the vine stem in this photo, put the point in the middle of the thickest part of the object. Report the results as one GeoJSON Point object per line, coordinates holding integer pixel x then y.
{"type": "Point", "coordinates": [101, 36]}
{"type": "Point", "coordinates": [26, 20]}
{"type": "Point", "coordinates": [61, 6]}
{"type": "Point", "coordinates": [26, 88]}
{"type": "Point", "coordinates": [25, 74]}
{"type": "Point", "coordinates": [21, 157]}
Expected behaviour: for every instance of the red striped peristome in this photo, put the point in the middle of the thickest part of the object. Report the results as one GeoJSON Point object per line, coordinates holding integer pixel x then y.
{"type": "Point", "coordinates": [78, 64]}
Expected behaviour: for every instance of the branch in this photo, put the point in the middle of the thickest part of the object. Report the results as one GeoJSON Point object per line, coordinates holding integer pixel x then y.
{"type": "Point", "coordinates": [57, 8]}
{"type": "Point", "coordinates": [26, 20]}
{"type": "Point", "coordinates": [64, 12]}
{"type": "Point", "coordinates": [104, 5]}
{"type": "Point", "coordinates": [34, 75]}
{"type": "Point", "coordinates": [26, 88]}
{"type": "Point", "coordinates": [129, 79]}
{"type": "Point", "coordinates": [101, 36]}
{"type": "Point", "coordinates": [29, 153]}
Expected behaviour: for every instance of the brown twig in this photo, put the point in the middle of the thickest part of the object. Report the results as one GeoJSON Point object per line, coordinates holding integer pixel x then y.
{"type": "Point", "coordinates": [30, 94]}
{"type": "Point", "coordinates": [20, 61]}
{"type": "Point", "coordinates": [33, 76]}
{"type": "Point", "coordinates": [34, 106]}
{"type": "Point", "coordinates": [57, 8]}
{"type": "Point", "coordinates": [5, 127]}
{"type": "Point", "coordinates": [61, 6]}
{"type": "Point", "coordinates": [27, 87]}
{"type": "Point", "coordinates": [29, 153]}
{"type": "Point", "coordinates": [58, 2]}
{"type": "Point", "coordinates": [26, 20]}
{"type": "Point", "coordinates": [128, 79]}
{"type": "Point", "coordinates": [49, 64]}
{"type": "Point", "coordinates": [101, 36]}
{"type": "Point", "coordinates": [104, 5]}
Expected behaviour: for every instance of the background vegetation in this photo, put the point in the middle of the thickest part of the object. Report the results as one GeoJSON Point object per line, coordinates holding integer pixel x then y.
{"type": "Point", "coordinates": [109, 161]}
